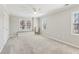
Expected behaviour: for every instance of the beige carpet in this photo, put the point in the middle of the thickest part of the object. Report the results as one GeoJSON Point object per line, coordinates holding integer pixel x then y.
{"type": "Point", "coordinates": [28, 43]}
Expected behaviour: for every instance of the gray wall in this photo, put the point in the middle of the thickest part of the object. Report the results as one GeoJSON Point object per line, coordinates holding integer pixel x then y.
{"type": "Point", "coordinates": [59, 25]}
{"type": "Point", "coordinates": [4, 27]}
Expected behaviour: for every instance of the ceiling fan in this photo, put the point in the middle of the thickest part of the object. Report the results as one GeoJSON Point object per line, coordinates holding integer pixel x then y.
{"type": "Point", "coordinates": [36, 10]}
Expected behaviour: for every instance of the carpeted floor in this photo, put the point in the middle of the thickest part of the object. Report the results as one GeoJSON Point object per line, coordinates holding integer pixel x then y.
{"type": "Point", "coordinates": [28, 43]}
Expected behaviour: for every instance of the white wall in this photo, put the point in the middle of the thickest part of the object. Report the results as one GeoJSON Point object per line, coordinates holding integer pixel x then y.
{"type": "Point", "coordinates": [59, 25]}
{"type": "Point", "coordinates": [13, 25]}
{"type": "Point", "coordinates": [4, 27]}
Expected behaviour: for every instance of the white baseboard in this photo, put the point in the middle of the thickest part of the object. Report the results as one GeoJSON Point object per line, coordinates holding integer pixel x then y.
{"type": "Point", "coordinates": [61, 41]}
{"type": "Point", "coordinates": [3, 46]}
{"type": "Point", "coordinates": [10, 36]}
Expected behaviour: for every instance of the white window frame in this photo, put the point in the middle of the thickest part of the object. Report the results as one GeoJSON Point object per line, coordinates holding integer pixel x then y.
{"type": "Point", "coordinates": [72, 23]}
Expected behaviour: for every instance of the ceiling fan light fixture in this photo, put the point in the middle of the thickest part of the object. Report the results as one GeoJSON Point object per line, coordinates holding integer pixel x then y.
{"type": "Point", "coordinates": [35, 13]}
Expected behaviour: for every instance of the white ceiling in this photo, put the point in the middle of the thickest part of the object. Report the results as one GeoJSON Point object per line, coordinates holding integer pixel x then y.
{"type": "Point", "coordinates": [26, 10]}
